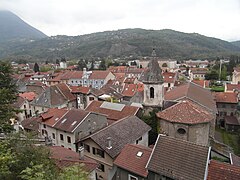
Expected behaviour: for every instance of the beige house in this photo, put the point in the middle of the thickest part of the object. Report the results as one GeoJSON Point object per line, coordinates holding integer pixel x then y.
{"type": "Point", "coordinates": [64, 127]}
{"type": "Point", "coordinates": [105, 145]}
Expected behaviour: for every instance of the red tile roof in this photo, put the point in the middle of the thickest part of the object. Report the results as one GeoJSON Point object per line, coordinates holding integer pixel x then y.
{"type": "Point", "coordinates": [222, 171]}
{"type": "Point", "coordinates": [80, 89]}
{"type": "Point", "coordinates": [95, 106]}
{"type": "Point", "coordinates": [65, 90]}
{"type": "Point", "coordinates": [99, 74]}
{"type": "Point", "coordinates": [28, 95]}
{"type": "Point", "coordinates": [52, 116]}
{"type": "Point", "coordinates": [225, 97]}
{"type": "Point", "coordinates": [19, 102]}
{"type": "Point", "coordinates": [169, 77]}
{"type": "Point", "coordinates": [129, 160]}
{"type": "Point", "coordinates": [232, 87]}
{"type": "Point", "coordinates": [186, 112]}
{"type": "Point", "coordinates": [64, 158]}
{"type": "Point", "coordinates": [129, 90]}
{"type": "Point", "coordinates": [202, 83]}
{"type": "Point", "coordinates": [193, 92]}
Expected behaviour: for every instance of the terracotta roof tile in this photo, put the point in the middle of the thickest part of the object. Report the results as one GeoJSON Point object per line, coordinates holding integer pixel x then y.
{"type": "Point", "coordinates": [129, 160]}
{"type": "Point", "coordinates": [129, 90]}
{"type": "Point", "coordinates": [64, 158]}
{"type": "Point", "coordinates": [222, 171]}
{"type": "Point", "coordinates": [52, 116]}
{"type": "Point", "coordinates": [178, 159]}
{"type": "Point", "coordinates": [80, 89]}
{"type": "Point", "coordinates": [232, 87]}
{"type": "Point", "coordinates": [28, 95]}
{"type": "Point", "coordinates": [19, 102]}
{"type": "Point", "coordinates": [70, 120]}
{"type": "Point", "coordinates": [193, 92]}
{"type": "Point", "coordinates": [99, 74]}
{"type": "Point", "coordinates": [225, 97]}
{"type": "Point", "coordinates": [111, 114]}
{"type": "Point", "coordinates": [31, 123]}
{"type": "Point", "coordinates": [202, 83]}
{"type": "Point", "coordinates": [169, 77]}
{"type": "Point", "coordinates": [186, 112]}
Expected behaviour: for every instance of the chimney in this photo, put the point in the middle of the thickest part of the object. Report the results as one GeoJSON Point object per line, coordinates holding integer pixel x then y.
{"type": "Point", "coordinates": [109, 139]}
{"type": "Point", "coordinates": [81, 152]}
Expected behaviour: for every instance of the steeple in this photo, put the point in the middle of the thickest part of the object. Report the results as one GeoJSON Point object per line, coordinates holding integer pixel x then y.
{"type": "Point", "coordinates": [153, 75]}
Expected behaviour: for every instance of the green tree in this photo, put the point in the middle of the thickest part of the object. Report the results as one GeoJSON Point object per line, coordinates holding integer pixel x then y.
{"type": "Point", "coordinates": [23, 160]}
{"type": "Point", "coordinates": [73, 173]}
{"type": "Point", "coordinates": [102, 65]}
{"type": "Point", "coordinates": [152, 121]}
{"type": "Point", "coordinates": [8, 95]}
{"type": "Point", "coordinates": [81, 65]}
{"type": "Point", "coordinates": [36, 67]}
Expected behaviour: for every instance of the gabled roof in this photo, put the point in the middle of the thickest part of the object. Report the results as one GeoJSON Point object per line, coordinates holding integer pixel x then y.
{"type": "Point", "coordinates": [28, 95]}
{"type": "Point", "coordinates": [134, 158]}
{"type": "Point", "coordinates": [192, 92]}
{"type": "Point", "coordinates": [221, 171]}
{"type": "Point", "coordinates": [153, 74]}
{"type": "Point", "coordinates": [71, 119]}
{"type": "Point", "coordinates": [122, 132]}
{"type": "Point", "coordinates": [226, 97]}
{"type": "Point", "coordinates": [54, 96]}
{"type": "Point", "coordinates": [178, 159]}
{"type": "Point", "coordinates": [64, 158]}
{"type": "Point", "coordinates": [107, 109]}
{"type": "Point", "coordinates": [52, 116]}
{"type": "Point", "coordinates": [186, 112]}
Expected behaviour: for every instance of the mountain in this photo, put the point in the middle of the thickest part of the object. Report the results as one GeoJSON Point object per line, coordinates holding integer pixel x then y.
{"type": "Point", "coordinates": [121, 43]}
{"type": "Point", "coordinates": [13, 28]}
{"type": "Point", "coordinates": [236, 43]}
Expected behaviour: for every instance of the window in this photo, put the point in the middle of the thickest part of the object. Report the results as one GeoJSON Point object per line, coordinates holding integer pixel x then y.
{"type": "Point", "coordinates": [61, 137]}
{"type": "Point", "coordinates": [137, 141]}
{"type": "Point", "coordinates": [53, 135]}
{"type": "Point", "coordinates": [87, 147]}
{"type": "Point", "coordinates": [131, 177]}
{"type": "Point", "coordinates": [91, 98]}
{"type": "Point", "coordinates": [151, 92]}
{"type": "Point", "coordinates": [98, 152]}
{"type": "Point", "coordinates": [44, 126]}
{"type": "Point", "coordinates": [68, 139]}
{"type": "Point", "coordinates": [101, 167]}
{"type": "Point", "coordinates": [181, 131]}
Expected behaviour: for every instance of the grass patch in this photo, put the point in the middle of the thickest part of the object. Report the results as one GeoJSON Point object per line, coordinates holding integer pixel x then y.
{"type": "Point", "coordinates": [230, 139]}
{"type": "Point", "coordinates": [217, 88]}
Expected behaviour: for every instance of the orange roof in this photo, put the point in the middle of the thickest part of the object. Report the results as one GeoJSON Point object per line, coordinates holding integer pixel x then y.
{"type": "Point", "coordinates": [232, 87]}
{"type": "Point", "coordinates": [80, 89]}
{"type": "Point", "coordinates": [225, 97]}
{"type": "Point", "coordinates": [129, 90]}
{"type": "Point", "coordinates": [52, 116]}
{"type": "Point", "coordinates": [28, 95]}
{"type": "Point", "coordinates": [186, 112]}
{"type": "Point", "coordinates": [221, 171]}
{"type": "Point", "coordinates": [202, 83]}
{"type": "Point", "coordinates": [169, 77]}
{"type": "Point", "coordinates": [134, 158]}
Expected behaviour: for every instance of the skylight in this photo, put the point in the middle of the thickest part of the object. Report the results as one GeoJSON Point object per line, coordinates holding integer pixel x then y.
{"type": "Point", "coordinates": [139, 154]}
{"type": "Point", "coordinates": [74, 123]}
{"type": "Point", "coordinates": [63, 121]}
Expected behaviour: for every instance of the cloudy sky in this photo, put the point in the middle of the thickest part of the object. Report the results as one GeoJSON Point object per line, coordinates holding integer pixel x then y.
{"type": "Point", "coordinates": [215, 18]}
